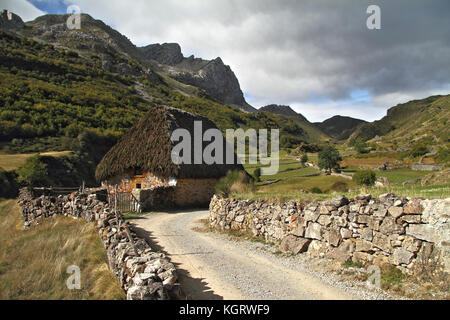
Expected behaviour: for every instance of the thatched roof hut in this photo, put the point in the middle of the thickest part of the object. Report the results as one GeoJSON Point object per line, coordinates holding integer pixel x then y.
{"type": "Point", "coordinates": [148, 146]}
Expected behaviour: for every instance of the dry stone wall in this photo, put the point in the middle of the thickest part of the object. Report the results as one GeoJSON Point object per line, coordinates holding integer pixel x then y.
{"type": "Point", "coordinates": [407, 233]}
{"type": "Point", "coordinates": [143, 273]}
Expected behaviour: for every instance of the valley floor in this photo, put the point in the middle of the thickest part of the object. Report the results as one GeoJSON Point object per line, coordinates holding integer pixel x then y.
{"type": "Point", "coordinates": [213, 266]}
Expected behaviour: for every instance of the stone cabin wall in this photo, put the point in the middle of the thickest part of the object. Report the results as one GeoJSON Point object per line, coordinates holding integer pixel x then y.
{"type": "Point", "coordinates": [412, 234]}
{"type": "Point", "coordinates": [187, 192]}
{"type": "Point", "coordinates": [127, 181]}
{"type": "Point", "coordinates": [194, 191]}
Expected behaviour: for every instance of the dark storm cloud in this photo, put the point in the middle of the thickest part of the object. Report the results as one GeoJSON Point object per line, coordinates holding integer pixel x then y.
{"type": "Point", "coordinates": [301, 52]}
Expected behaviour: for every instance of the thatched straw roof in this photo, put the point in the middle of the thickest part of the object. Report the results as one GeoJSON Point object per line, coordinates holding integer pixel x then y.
{"type": "Point", "coordinates": [147, 146]}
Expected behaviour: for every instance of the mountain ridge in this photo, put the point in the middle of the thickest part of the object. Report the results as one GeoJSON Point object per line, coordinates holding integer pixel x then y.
{"type": "Point", "coordinates": [213, 76]}
{"type": "Point", "coordinates": [340, 127]}
{"type": "Point", "coordinates": [411, 119]}
{"type": "Point", "coordinates": [159, 66]}
{"type": "Point", "coordinates": [287, 112]}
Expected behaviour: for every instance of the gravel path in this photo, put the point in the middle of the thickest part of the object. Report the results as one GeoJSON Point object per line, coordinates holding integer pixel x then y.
{"type": "Point", "coordinates": [212, 266]}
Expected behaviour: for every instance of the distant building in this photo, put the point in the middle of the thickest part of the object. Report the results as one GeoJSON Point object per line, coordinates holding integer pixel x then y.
{"type": "Point", "coordinates": [141, 161]}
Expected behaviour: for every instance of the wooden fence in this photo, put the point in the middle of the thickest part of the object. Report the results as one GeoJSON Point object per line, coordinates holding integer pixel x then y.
{"type": "Point", "coordinates": [119, 200]}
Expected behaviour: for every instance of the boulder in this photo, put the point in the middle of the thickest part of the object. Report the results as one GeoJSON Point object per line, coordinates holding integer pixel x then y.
{"type": "Point", "coordinates": [342, 253]}
{"type": "Point", "coordinates": [346, 233]}
{"type": "Point", "coordinates": [382, 242]}
{"type": "Point", "coordinates": [416, 218]}
{"type": "Point", "coordinates": [340, 201]}
{"type": "Point", "coordinates": [402, 256]}
{"type": "Point", "coordinates": [388, 226]}
{"type": "Point", "coordinates": [367, 234]}
{"type": "Point", "coordinates": [333, 237]}
{"type": "Point", "coordinates": [293, 244]}
{"type": "Point", "coordinates": [395, 211]}
{"type": "Point", "coordinates": [363, 245]}
{"type": "Point", "coordinates": [413, 207]}
{"type": "Point", "coordinates": [314, 231]}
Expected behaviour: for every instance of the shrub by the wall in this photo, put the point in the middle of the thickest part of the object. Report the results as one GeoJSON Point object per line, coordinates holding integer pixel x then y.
{"type": "Point", "coordinates": [366, 178]}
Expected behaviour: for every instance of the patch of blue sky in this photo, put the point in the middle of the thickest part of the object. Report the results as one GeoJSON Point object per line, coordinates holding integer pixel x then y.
{"type": "Point", "coordinates": [51, 6]}
{"type": "Point", "coordinates": [360, 95]}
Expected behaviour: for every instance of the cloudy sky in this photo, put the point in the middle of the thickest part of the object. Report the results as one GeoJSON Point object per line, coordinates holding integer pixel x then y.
{"type": "Point", "coordinates": [317, 56]}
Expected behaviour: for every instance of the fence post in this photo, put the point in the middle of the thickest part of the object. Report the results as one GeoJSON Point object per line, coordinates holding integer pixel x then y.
{"type": "Point", "coordinates": [115, 200]}
{"type": "Point", "coordinates": [107, 193]}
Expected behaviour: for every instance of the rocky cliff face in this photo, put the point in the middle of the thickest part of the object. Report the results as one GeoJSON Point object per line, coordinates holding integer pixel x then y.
{"type": "Point", "coordinates": [214, 77]}
{"type": "Point", "coordinates": [166, 53]}
{"type": "Point", "coordinates": [116, 52]}
{"type": "Point", "coordinates": [119, 55]}
{"type": "Point", "coordinates": [10, 22]}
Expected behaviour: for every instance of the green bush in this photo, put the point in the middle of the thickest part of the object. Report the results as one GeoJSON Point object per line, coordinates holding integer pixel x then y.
{"type": "Point", "coordinates": [418, 151]}
{"type": "Point", "coordinates": [257, 174]}
{"type": "Point", "coordinates": [443, 155]}
{"type": "Point", "coordinates": [235, 181]}
{"type": "Point", "coordinates": [304, 159]}
{"type": "Point", "coordinates": [316, 190]}
{"type": "Point", "coordinates": [339, 186]}
{"type": "Point", "coordinates": [33, 172]}
{"type": "Point", "coordinates": [366, 177]}
{"type": "Point", "coordinates": [360, 146]}
{"type": "Point", "coordinates": [8, 184]}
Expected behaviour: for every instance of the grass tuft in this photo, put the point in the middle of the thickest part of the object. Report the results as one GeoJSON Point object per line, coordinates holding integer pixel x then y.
{"type": "Point", "coordinates": [33, 262]}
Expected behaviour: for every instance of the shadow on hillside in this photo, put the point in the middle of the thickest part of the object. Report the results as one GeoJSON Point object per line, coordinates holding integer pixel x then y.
{"type": "Point", "coordinates": [191, 288]}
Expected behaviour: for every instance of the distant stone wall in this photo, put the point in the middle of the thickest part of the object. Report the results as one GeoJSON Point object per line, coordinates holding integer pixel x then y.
{"type": "Point", "coordinates": [194, 191]}
{"type": "Point", "coordinates": [408, 233]}
{"type": "Point", "coordinates": [426, 167]}
{"type": "Point", "coordinates": [143, 273]}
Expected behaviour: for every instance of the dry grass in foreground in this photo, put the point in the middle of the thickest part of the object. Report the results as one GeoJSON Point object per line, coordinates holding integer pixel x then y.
{"type": "Point", "coordinates": [33, 262]}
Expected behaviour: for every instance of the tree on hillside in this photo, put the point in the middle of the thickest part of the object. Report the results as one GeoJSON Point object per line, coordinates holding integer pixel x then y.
{"type": "Point", "coordinates": [32, 172]}
{"type": "Point", "coordinates": [304, 159]}
{"type": "Point", "coordinates": [328, 158]}
{"type": "Point", "coordinates": [257, 174]}
{"type": "Point", "coordinates": [359, 144]}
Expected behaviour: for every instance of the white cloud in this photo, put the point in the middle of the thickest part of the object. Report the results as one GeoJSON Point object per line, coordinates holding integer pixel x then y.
{"type": "Point", "coordinates": [292, 52]}
{"type": "Point", "coordinates": [22, 8]}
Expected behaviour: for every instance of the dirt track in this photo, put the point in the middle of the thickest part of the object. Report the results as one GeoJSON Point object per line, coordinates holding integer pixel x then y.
{"type": "Point", "coordinates": [212, 267]}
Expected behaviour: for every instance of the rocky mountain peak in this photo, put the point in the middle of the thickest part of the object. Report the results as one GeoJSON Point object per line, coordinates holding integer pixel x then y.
{"type": "Point", "coordinates": [279, 109]}
{"type": "Point", "coordinates": [340, 127]}
{"type": "Point", "coordinates": [166, 53]}
{"type": "Point", "coordinates": [119, 55]}
{"type": "Point", "coordinates": [10, 21]}
{"type": "Point", "coordinates": [213, 76]}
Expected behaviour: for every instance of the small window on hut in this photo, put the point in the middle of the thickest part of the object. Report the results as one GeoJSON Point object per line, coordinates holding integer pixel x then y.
{"type": "Point", "coordinates": [138, 185]}
{"type": "Point", "coordinates": [172, 182]}
{"type": "Point", "coordinates": [138, 172]}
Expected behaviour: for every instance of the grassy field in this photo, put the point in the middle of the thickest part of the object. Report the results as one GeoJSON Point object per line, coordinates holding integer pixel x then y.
{"type": "Point", "coordinates": [402, 175]}
{"type": "Point", "coordinates": [33, 262]}
{"type": "Point", "coordinates": [416, 191]}
{"type": "Point", "coordinates": [13, 161]}
{"type": "Point", "coordinates": [288, 174]}
{"type": "Point", "coordinates": [296, 184]}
